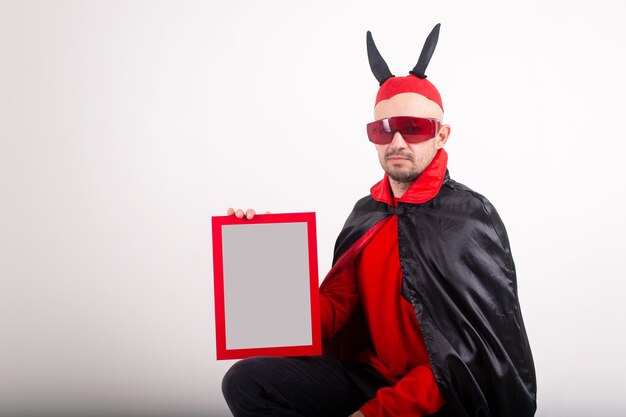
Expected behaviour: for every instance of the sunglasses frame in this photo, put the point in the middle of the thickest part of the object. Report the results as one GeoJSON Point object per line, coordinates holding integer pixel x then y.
{"type": "Point", "coordinates": [390, 126]}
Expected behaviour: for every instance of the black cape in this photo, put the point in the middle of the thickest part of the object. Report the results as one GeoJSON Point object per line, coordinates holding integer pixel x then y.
{"type": "Point", "coordinates": [459, 276]}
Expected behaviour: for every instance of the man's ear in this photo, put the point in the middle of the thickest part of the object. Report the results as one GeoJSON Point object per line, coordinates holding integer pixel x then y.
{"type": "Point", "coordinates": [442, 136]}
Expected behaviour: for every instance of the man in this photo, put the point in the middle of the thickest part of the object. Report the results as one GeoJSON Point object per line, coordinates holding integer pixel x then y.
{"type": "Point", "coordinates": [420, 314]}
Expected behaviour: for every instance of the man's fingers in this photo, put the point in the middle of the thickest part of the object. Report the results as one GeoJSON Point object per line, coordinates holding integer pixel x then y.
{"type": "Point", "coordinates": [250, 213]}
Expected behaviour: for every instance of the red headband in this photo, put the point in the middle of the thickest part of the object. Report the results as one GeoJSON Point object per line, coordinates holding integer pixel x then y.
{"type": "Point", "coordinates": [408, 84]}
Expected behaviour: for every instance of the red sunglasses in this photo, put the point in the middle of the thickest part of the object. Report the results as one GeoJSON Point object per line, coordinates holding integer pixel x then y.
{"type": "Point", "coordinates": [412, 129]}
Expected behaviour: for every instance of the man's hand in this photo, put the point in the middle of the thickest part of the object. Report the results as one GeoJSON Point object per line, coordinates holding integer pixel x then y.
{"type": "Point", "coordinates": [357, 413]}
{"type": "Point", "coordinates": [240, 213]}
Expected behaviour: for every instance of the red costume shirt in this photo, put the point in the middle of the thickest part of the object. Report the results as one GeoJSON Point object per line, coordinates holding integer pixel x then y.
{"type": "Point", "coordinates": [374, 280]}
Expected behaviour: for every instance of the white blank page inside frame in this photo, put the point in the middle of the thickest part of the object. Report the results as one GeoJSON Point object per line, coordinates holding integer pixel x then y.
{"type": "Point", "coordinates": [267, 298]}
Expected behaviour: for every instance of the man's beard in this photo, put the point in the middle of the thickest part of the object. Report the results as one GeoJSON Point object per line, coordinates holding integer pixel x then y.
{"type": "Point", "coordinates": [403, 176]}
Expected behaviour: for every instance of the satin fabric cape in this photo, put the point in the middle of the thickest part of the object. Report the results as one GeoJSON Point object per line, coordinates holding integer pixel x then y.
{"type": "Point", "coordinates": [459, 276]}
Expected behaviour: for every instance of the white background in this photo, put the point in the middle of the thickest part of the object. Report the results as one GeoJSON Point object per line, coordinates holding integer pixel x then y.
{"type": "Point", "coordinates": [124, 126]}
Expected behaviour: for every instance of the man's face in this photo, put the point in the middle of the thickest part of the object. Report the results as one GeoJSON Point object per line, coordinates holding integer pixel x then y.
{"type": "Point", "coordinates": [403, 161]}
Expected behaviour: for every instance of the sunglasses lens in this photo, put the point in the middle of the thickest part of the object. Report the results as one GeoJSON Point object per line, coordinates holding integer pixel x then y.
{"type": "Point", "coordinates": [415, 129]}
{"type": "Point", "coordinates": [412, 129]}
{"type": "Point", "coordinates": [379, 132]}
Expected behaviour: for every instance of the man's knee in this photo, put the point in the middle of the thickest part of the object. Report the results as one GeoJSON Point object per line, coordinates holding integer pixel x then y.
{"type": "Point", "coordinates": [234, 378]}
{"type": "Point", "coordinates": [244, 376]}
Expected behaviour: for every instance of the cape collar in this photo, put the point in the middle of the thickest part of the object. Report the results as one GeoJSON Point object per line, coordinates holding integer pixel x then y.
{"type": "Point", "coordinates": [424, 188]}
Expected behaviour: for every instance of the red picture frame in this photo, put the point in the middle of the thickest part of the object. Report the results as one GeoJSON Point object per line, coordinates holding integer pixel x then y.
{"type": "Point", "coordinates": [223, 350]}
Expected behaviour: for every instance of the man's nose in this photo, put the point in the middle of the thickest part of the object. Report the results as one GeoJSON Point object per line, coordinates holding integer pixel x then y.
{"type": "Point", "coordinates": [397, 142]}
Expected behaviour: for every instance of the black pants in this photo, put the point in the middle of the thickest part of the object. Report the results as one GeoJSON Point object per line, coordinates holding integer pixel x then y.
{"type": "Point", "coordinates": [299, 386]}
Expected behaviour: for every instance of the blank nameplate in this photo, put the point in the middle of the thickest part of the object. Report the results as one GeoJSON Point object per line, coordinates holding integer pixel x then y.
{"type": "Point", "coordinates": [266, 286]}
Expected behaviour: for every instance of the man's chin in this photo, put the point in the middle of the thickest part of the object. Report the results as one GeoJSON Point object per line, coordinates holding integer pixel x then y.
{"type": "Point", "coordinates": [402, 176]}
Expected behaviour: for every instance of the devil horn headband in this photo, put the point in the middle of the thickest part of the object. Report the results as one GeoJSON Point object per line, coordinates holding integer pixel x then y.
{"type": "Point", "coordinates": [427, 53]}
{"type": "Point", "coordinates": [381, 69]}
{"type": "Point", "coordinates": [377, 63]}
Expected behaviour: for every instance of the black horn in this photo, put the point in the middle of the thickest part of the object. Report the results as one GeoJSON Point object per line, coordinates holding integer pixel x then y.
{"type": "Point", "coordinates": [427, 52]}
{"type": "Point", "coordinates": [377, 63]}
